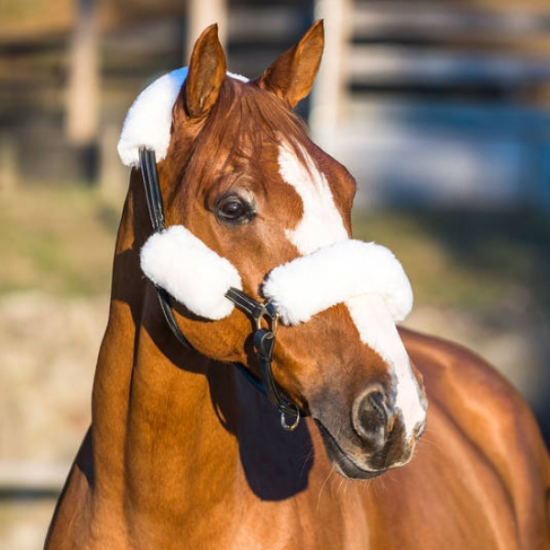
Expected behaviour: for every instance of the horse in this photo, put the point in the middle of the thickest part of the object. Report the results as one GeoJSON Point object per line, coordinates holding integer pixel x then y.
{"type": "Point", "coordinates": [253, 388]}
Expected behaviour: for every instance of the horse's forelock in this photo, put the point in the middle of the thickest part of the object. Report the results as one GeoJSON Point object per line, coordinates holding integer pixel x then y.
{"type": "Point", "coordinates": [243, 121]}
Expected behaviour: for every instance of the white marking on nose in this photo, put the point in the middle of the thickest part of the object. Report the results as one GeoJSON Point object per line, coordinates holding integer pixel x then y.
{"type": "Point", "coordinates": [321, 223]}
{"type": "Point", "coordinates": [377, 329]}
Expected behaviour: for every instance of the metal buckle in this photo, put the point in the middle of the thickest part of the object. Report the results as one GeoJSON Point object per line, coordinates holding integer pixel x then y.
{"type": "Point", "coordinates": [269, 312]}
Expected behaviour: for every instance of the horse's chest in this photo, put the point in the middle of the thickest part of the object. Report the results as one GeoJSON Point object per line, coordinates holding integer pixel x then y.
{"type": "Point", "coordinates": [311, 519]}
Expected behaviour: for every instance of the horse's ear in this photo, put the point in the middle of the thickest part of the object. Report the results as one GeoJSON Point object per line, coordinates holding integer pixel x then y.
{"type": "Point", "coordinates": [206, 73]}
{"type": "Point", "coordinates": [291, 76]}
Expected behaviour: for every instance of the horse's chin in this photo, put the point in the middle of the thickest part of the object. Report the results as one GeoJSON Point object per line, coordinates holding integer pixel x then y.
{"type": "Point", "coordinates": [342, 463]}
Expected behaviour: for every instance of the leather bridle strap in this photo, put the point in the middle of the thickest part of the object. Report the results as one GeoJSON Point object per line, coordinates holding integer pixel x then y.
{"type": "Point", "coordinates": [148, 165]}
{"type": "Point", "coordinates": [149, 174]}
{"type": "Point", "coordinates": [264, 339]}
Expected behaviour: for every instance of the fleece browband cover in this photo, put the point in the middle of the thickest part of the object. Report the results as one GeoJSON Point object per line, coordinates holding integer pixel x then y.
{"type": "Point", "coordinates": [198, 277]}
{"type": "Point", "coordinates": [149, 120]}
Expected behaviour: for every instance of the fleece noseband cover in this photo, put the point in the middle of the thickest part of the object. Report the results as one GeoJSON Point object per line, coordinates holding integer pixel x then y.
{"type": "Point", "coordinates": [199, 278]}
{"type": "Point", "coordinates": [335, 274]}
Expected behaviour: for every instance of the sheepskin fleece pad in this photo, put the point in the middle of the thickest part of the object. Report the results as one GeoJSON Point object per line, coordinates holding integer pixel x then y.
{"type": "Point", "coordinates": [190, 271]}
{"type": "Point", "coordinates": [199, 278]}
{"type": "Point", "coordinates": [335, 274]}
{"type": "Point", "coordinates": [149, 119]}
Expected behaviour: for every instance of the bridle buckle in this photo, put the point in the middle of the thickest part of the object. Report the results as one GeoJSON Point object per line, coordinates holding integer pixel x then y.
{"type": "Point", "coordinates": [268, 312]}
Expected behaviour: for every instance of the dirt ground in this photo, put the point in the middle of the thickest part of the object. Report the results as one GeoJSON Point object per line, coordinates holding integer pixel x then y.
{"type": "Point", "coordinates": [47, 359]}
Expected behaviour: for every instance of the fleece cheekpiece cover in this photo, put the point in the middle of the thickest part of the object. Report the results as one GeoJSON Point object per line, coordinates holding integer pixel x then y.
{"type": "Point", "coordinates": [191, 272]}
{"type": "Point", "coordinates": [199, 278]}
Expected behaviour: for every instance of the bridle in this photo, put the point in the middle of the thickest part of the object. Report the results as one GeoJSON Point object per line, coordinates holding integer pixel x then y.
{"type": "Point", "coordinates": [263, 314]}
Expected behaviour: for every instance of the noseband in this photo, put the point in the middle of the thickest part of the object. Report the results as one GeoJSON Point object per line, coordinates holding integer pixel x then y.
{"type": "Point", "coordinates": [264, 315]}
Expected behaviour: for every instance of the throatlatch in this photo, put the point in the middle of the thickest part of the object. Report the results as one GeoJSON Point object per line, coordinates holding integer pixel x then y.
{"type": "Point", "coordinates": [264, 338]}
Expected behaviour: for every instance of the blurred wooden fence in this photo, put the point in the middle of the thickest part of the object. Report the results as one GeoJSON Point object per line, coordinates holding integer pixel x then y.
{"type": "Point", "coordinates": [65, 86]}
{"type": "Point", "coordinates": [426, 102]}
{"type": "Point", "coordinates": [441, 103]}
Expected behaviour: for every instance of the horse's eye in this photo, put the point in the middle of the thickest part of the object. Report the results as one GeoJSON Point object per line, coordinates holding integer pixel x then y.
{"type": "Point", "coordinates": [234, 209]}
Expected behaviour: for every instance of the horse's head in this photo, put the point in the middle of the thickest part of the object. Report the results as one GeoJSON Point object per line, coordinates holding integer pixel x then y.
{"type": "Point", "coordinates": [250, 202]}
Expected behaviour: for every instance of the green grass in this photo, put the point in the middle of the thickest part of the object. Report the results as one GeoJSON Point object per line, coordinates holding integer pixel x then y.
{"type": "Point", "coordinates": [57, 239]}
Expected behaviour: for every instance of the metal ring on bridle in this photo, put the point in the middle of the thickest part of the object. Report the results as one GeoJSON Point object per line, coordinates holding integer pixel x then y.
{"type": "Point", "coordinates": [290, 427]}
{"type": "Point", "coordinates": [268, 312]}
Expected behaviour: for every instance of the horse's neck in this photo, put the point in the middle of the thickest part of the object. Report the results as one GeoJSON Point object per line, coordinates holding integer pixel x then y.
{"type": "Point", "coordinates": [156, 415]}
{"type": "Point", "coordinates": [175, 435]}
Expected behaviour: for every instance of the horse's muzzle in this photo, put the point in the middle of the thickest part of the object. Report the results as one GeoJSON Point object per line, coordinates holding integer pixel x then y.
{"type": "Point", "coordinates": [376, 442]}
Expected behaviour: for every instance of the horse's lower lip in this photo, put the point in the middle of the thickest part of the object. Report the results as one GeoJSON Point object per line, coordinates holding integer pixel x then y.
{"type": "Point", "coordinates": [342, 463]}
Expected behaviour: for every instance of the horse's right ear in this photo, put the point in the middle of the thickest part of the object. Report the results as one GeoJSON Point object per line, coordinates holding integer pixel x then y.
{"type": "Point", "coordinates": [291, 76]}
{"type": "Point", "coordinates": [206, 74]}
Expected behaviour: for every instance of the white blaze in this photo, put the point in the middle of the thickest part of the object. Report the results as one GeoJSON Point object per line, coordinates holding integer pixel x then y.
{"type": "Point", "coordinates": [322, 225]}
{"type": "Point", "coordinates": [377, 329]}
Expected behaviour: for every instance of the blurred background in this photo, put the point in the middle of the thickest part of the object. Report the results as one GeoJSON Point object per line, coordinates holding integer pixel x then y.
{"type": "Point", "coordinates": [441, 110]}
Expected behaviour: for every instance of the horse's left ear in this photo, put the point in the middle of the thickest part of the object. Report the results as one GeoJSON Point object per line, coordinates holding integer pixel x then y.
{"type": "Point", "coordinates": [206, 74]}
{"type": "Point", "coordinates": [291, 76]}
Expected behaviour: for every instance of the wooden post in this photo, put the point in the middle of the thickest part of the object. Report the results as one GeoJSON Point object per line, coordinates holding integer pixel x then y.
{"type": "Point", "coordinates": [201, 14]}
{"type": "Point", "coordinates": [82, 100]}
{"type": "Point", "coordinates": [329, 91]}
{"type": "Point", "coordinates": [8, 163]}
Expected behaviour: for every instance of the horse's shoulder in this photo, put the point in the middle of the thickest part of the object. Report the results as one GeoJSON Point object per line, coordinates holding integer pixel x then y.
{"type": "Point", "coordinates": [444, 363]}
{"type": "Point", "coordinates": [480, 400]}
{"type": "Point", "coordinates": [473, 406]}
{"type": "Point", "coordinates": [472, 391]}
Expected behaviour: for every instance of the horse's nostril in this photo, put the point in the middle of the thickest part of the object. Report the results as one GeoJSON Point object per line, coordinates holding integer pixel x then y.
{"type": "Point", "coordinates": [376, 399]}
{"type": "Point", "coordinates": [370, 417]}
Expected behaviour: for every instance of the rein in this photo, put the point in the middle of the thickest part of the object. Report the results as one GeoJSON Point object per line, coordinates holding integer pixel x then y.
{"type": "Point", "coordinates": [261, 313]}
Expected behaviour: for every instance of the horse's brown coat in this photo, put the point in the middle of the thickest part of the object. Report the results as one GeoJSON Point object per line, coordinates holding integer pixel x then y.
{"type": "Point", "coordinates": [184, 453]}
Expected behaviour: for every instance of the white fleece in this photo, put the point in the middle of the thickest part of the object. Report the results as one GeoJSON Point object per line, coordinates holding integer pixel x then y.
{"type": "Point", "coordinates": [334, 274]}
{"type": "Point", "coordinates": [149, 119]}
{"type": "Point", "coordinates": [190, 271]}
{"type": "Point", "coordinates": [198, 277]}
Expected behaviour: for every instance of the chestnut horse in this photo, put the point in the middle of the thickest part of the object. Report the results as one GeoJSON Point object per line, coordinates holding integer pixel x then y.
{"type": "Point", "coordinates": [241, 226]}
